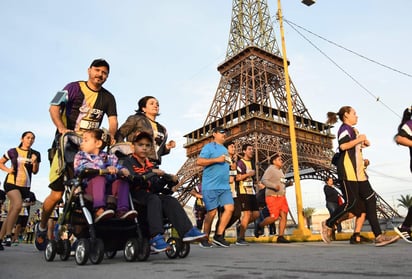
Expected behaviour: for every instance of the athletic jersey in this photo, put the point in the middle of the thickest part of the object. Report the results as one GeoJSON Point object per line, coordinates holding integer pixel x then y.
{"type": "Point", "coordinates": [85, 108]}
{"type": "Point", "coordinates": [27, 202]}
{"type": "Point", "coordinates": [245, 186]}
{"type": "Point", "coordinates": [22, 164]}
{"type": "Point", "coordinates": [351, 168]}
{"type": "Point", "coordinates": [406, 131]}
{"type": "Point", "coordinates": [215, 176]}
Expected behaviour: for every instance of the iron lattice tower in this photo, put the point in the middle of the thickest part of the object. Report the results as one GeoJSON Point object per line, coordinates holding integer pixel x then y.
{"type": "Point", "coordinates": [250, 102]}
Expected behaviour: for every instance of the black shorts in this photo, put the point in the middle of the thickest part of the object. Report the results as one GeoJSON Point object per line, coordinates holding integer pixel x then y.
{"type": "Point", "coordinates": [248, 202]}
{"type": "Point", "coordinates": [24, 191]}
{"type": "Point", "coordinates": [353, 200]}
{"type": "Point", "coordinates": [58, 185]}
{"type": "Point", "coordinates": [22, 220]}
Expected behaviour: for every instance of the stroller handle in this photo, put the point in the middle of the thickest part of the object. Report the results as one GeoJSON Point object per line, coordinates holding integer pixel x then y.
{"type": "Point", "coordinates": [88, 172]}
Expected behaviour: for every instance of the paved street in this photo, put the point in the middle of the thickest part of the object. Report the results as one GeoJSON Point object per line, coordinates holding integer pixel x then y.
{"type": "Point", "coordinates": [259, 260]}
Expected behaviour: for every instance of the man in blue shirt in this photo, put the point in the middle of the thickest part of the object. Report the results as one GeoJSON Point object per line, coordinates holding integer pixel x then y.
{"type": "Point", "coordinates": [215, 161]}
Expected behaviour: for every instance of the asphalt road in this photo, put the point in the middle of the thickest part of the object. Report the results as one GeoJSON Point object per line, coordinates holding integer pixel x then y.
{"type": "Point", "coordinates": [259, 260]}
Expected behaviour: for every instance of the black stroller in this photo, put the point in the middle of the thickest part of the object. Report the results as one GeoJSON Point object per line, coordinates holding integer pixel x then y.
{"type": "Point", "coordinates": [94, 240]}
{"type": "Point", "coordinates": [165, 183]}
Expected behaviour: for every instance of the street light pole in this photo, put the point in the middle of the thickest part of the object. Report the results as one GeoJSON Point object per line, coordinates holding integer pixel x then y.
{"type": "Point", "coordinates": [301, 231]}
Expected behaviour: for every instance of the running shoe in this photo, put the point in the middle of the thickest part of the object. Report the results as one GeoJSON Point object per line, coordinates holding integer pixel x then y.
{"type": "Point", "coordinates": [40, 239]}
{"type": "Point", "coordinates": [193, 234]}
{"type": "Point", "coordinates": [404, 233]}
{"type": "Point", "coordinates": [241, 242]}
{"type": "Point", "coordinates": [102, 214]}
{"type": "Point", "coordinates": [158, 244]}
{"type": "Point", "coordinates": [220, 241]}
{"type": "Point", "coordinates": [205, 244]}
{"type": "Point", "coordinates": [383, 240]}
{"type": "Point", "coordinates": [281, 239]}
{"type": "Point", "coordinates": [326, 233]}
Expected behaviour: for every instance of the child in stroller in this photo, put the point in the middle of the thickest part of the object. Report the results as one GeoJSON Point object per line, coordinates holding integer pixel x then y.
{"type": "Point", "coordinates": [151, 189]}
{"type": "Point", "coordinates": [92, 156]}
{"type": "Point", "coordinates": [95, 237]}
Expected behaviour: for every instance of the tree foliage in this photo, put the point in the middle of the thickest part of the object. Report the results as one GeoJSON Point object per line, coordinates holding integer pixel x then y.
{"type": "Point", "coordinates": [405, 201]}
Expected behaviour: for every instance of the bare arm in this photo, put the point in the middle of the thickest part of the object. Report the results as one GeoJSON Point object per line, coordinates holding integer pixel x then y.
{"type": "Point", "coordinates": [113, 125]}
{"type": "Point", "coordinates": [3, 166]}
{"type": "Point", "coordinates": [403, 141]}
{"type": "Point", "coordinates": [35, 164]}
{"type": "Point", "coordinates": [204, 162]}
{"type": "Point", "coordinates": [57, 119]}
{"type": "Point", "coordinates": [352, 143]}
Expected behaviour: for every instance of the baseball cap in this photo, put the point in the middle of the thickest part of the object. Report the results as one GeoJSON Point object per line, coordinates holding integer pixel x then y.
{"type": "Point", "coordinates": [100, 62]}
{"type": "Point", "coordinates": [142, 135]}
{"type": "Point", "coordinates": [219, 130]}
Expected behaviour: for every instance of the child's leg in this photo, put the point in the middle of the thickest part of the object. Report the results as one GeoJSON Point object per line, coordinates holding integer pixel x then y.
{"type": "Point", "coordinates": [120, 189]}
{"type": "Point", "coordinates": [97, 188]}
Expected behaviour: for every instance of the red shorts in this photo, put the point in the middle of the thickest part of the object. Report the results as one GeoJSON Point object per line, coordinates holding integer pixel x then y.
{"type": "Point", "coordinates": [276, 204]}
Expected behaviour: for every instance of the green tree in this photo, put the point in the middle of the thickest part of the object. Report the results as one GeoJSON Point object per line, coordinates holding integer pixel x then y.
{"type": "Point", "coordinates": [307, 213]}
{"type": "Point", "coordinates": [405, 201]}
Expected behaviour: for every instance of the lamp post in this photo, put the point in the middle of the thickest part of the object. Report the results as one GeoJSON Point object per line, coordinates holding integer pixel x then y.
{"type": "Point", "coordinates": [301, 231]}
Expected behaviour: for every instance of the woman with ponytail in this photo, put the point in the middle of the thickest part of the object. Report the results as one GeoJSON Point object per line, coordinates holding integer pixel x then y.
{"type": "Point", "coordinates": [25, 161]}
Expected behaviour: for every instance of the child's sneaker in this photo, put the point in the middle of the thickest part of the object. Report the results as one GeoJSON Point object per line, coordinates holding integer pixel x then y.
{"type": "Point", "coordinates": [126, 215]}
{"type": "Point", "coordinates": [102, 214]}
{"type": "Point", "coordinates": [193, 234]}
{"type": "Point", "coordinates": [158, 244]}
{"type": "Point", "coordinates": [404, 233]}
{"type": "Point", "coordinates": [40, 237]}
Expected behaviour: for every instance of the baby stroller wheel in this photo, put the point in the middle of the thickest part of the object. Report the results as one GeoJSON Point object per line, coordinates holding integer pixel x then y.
{"type": "Point", "coordinates": [65, 249]}
{"type": "Point", "coordinates": [96, 251]}
{"type": "Point", "coordinates": [110, 254]}
{"type": "Point", "coordinates": [131, 250]}
{"type": "Point", "coordinates": [176, 248]}
{"type": "Point", "coordinates": [82, 252]}
{"type": "Point", "coordinates": [51, 250]}
{"type": "Point", "coordinates": [185, 249]}
{"type": "Point", "coordinates": [144, 249]}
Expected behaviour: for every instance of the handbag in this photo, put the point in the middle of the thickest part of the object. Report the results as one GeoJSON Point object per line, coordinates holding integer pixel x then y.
{"type": "Point", "coordinates": [340, 200]}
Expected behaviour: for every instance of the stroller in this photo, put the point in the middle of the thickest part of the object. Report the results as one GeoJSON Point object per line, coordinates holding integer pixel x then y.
{"type": "Point", "coordinates": [94, 240]}
{"type": "Point", "coordinates": [165, 183]}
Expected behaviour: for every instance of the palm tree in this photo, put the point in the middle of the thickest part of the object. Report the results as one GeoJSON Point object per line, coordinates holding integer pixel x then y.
{"type": "Point", "coordinates": [308, 212]}
{"type": "Point", "coordinates": [405, 201]}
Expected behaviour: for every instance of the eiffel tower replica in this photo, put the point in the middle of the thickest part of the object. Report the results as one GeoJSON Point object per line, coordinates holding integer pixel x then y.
{"type": "Point", "coordinates": [250, 102]}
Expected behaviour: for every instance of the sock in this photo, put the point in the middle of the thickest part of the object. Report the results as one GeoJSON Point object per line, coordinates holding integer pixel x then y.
{"type": "Point", "coordinates": [42, 229]}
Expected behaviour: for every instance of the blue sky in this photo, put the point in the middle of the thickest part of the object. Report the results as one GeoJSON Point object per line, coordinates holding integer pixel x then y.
{"type": "Point", "coordinates": [171, 49]}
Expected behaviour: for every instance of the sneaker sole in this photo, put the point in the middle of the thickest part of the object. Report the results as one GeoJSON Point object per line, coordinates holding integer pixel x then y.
{"type": "Point", "coordinates": [160, 250]}
{"type": "Point", "coordinates": [205, 247]}
{"type": "Point", "coordinates": [393, 240]}
{"type": "Point", "coordinates": [192, 238]}
{"type": "Point", "coordinates": [105, 216]}
{"type": "Point", "coordinates": [396, 229]}
{"type": "Point", "coordinates": [220, 244]}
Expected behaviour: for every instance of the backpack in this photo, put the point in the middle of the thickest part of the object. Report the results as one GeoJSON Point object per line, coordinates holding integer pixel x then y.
{"type": "Point", "coordinates": [336, 157]}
